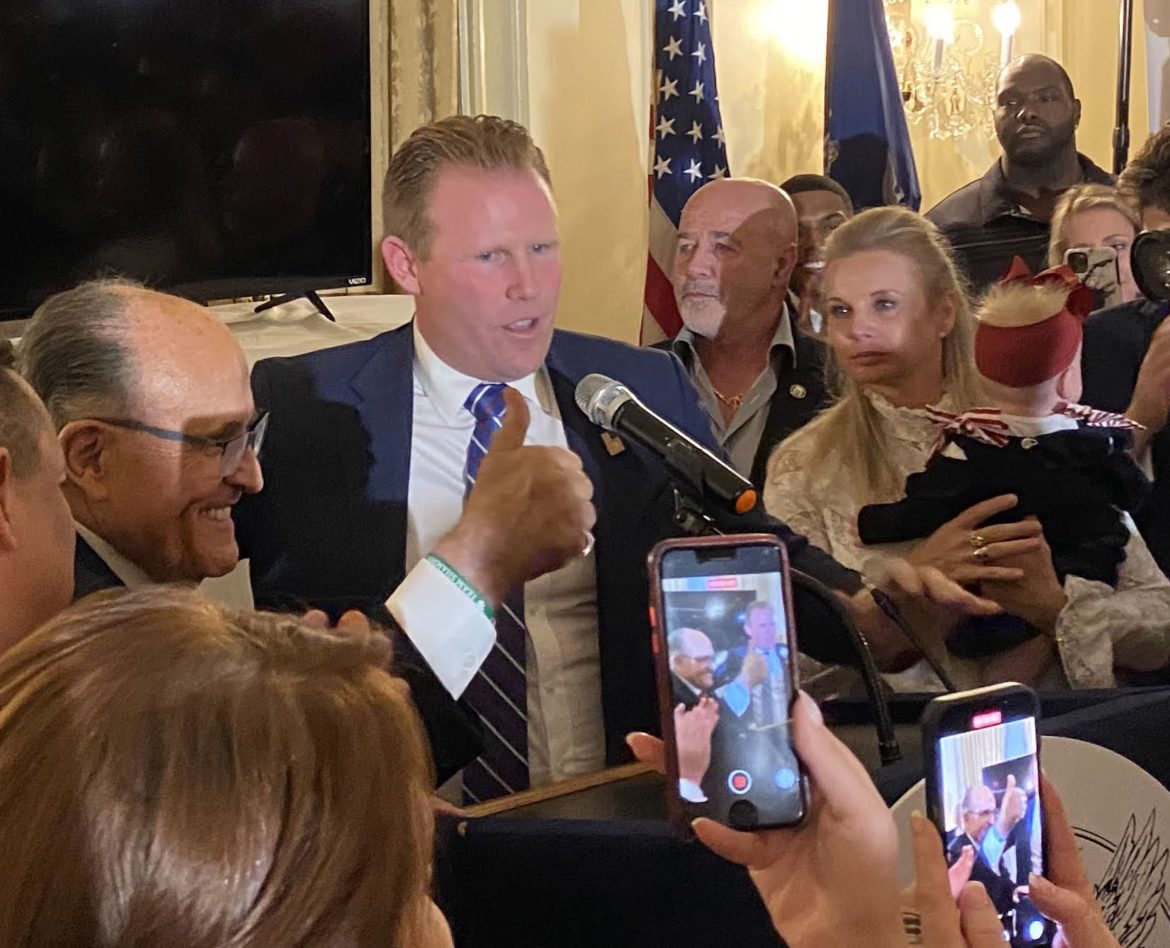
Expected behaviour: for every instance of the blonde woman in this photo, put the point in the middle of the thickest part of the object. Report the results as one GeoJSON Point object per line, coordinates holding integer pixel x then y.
{"type": "Point", "coordinates": [1096, 215]}
{"type": "Point", "coordinates": [174, 773]}
{"type": "Point", "coordinates": [899, 329]}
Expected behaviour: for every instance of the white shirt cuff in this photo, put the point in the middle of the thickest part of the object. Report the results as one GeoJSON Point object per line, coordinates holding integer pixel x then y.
{"type": "Point", "coordinates": [449, 630]}
{"type": "Point", "coordinates": [691, 791]}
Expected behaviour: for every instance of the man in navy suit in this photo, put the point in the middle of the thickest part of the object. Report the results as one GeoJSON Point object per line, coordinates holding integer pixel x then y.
{"type": "Point", "coordinates": [373, 447]}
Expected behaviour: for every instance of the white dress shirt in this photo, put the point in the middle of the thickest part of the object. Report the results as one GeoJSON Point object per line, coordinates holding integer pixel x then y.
{"type": "Point", "coordinates": [565, 734]}
{"type": "Point", "coordinates": [740, 436]}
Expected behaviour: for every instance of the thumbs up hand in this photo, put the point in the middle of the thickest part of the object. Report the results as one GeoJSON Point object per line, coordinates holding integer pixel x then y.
{"type": "Point", "coordinates": [529, 513]}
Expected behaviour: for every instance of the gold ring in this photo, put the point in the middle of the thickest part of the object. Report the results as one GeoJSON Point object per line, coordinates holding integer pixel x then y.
{"type": "Point", "coordinates": [980, 554]}
{"type": "Point", "coordinates": [978, 540]}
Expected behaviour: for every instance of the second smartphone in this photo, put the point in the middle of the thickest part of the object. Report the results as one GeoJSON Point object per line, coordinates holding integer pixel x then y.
{"type": "Point", "coordinates": [725, 646]}
{"type": "Point", "coordinates": [982, 762]}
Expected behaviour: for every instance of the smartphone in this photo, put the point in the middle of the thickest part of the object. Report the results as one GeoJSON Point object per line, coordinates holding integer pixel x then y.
{"type": "Point", "coordinates": [982, 760]}
{"type": "Point", "coordinates": [1096, 267]}
{"type": "Point", "coordinates": [725, 652]}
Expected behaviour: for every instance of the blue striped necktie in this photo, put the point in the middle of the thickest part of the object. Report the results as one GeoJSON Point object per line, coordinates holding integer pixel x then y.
{"type": "Point", "coordinates": [499, 691]}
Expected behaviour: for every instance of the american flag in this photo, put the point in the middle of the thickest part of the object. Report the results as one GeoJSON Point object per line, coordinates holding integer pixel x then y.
{"type": "Point", "coordinates": [687, 148]}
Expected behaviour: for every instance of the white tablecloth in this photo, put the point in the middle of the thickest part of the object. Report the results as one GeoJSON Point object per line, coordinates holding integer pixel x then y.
{"type": "Point", "coordinates": [297, 327]}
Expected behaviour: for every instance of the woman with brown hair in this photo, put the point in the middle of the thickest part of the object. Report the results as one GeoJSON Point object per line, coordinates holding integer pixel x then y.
{"type": "Point", "coordinates": [176, 773]}
{"type": "Point", "coordinates": [900, 330]}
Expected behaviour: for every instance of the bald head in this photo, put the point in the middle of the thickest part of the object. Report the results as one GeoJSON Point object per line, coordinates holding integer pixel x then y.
{"type": "Point", "coordinates": [181, 349]}
{"type": "Point", "coordinates": [977, 811]}
{"type": "Point", "coordinates": [749, 203]}
{"type": "Point", "coordinates": [692, 657]}
{"type": "Point", "coordinates": [735, 253]}
{"type": "Point", "coordinates": [1036, 111]}
{"type": "Point", "coordinates": [107, 347]}
{"type": "Point", "coordinates": [1035, 64]}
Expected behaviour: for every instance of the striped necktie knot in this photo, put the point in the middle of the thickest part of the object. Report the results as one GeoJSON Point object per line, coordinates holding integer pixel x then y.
{"type": "Point", "coordinates": [486, 404]}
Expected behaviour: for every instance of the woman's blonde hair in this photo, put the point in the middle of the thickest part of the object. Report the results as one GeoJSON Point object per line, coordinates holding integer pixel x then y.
{"type": "Point", "coordinates": [851, 427]}
{"type": "Point", "coordinates": [176, 773]}
{"type": "Point", "coordinates": [1078, 199]}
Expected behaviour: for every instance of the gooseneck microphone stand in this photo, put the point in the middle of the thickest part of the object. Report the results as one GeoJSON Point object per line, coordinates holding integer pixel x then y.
{"type": "Point", "coordinates": [690, 514]}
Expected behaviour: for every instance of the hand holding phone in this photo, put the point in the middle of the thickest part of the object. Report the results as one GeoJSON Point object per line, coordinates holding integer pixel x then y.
{"type": "Point", "coordinates": [725, 647]}
{"type": "Point", "coordinates": [1097, 268]}
{"type": "Point", "coordinates": [833, 879]}
{"type": "Point", "coordinates": [1068, 899]}
{"type": "Point", "coordinates": [983, 794]}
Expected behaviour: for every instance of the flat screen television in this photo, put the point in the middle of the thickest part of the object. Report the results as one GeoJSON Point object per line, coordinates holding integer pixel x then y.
{"type": "Point", "coordinates": [211, 148]}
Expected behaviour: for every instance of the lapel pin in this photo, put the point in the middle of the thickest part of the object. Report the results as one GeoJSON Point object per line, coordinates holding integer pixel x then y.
{"type": "Point", "coordinates": [798, 391]}
{"type": "Point", "coordinates": [613, 444]}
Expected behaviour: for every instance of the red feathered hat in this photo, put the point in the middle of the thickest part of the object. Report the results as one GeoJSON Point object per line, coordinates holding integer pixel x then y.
{"type": "Point", "coordinates": [1029, 327]}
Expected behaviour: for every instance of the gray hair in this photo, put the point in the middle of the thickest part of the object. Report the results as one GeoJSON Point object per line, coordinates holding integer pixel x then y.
{"type": "Point", "coordinates": [75, 353]}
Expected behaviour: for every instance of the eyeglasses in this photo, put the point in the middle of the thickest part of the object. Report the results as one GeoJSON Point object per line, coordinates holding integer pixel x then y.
{"type": "Point", "coordinates": [985, 814]}
{"type": "Point", "coordinates": [231, 450]}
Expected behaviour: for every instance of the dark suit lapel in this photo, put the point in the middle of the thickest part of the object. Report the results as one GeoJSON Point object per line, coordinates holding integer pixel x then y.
{"type": "Point", "coordinates": [384, 387]}
{"type": "Point", "coordinates": [90, 572]}
{"type": "Point", "coordinates": [583, 437]}
{"type": "Point", "coordinates": [798, 393]}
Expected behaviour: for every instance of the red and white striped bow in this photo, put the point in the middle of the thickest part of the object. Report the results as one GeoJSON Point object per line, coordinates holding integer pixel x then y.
{"type": "Point", "coordinates": [983, 424]}
{"type": "Point", "coordinates": [1097, 417]}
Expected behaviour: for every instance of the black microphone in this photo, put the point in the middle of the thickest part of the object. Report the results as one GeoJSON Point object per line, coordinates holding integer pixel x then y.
{"type": "Point", "coordinates": [615, 408]}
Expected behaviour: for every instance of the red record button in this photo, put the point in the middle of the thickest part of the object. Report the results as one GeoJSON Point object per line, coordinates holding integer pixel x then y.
{"type": "Point", "coordinates": [739, 781]}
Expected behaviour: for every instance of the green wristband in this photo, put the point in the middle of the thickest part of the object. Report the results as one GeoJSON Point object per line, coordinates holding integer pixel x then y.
{"type": "Point", "coordinates": [462, 585]}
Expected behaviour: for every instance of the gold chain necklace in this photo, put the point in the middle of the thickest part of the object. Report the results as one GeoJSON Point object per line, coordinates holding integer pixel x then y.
{"type": "Point", "coordinates": [733, 403]}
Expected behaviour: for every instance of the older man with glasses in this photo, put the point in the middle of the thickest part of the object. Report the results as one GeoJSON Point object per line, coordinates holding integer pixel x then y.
{"type": "Point", "coordinates": [151, 399]}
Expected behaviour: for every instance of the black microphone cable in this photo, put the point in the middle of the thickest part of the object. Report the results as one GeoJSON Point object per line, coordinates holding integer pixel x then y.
{"type": "Point", "coordinates": [888, 750]}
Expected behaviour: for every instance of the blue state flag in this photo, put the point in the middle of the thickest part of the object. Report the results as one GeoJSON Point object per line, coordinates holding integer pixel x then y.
{"type": "Point", "coordinates": [867, 144]}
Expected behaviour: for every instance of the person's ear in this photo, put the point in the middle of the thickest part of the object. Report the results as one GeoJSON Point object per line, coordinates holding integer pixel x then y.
{"type": "Point", "coordinates": [1070, 383]}
{"type": "Point", "coordinates": [7, 498]}
{"type": "Point", "coordinates": [1076, 113]}
{"type": "Point", "coordinates": [946, 313]}
{"type": "Point", "coordinates": [785, 264]}
{"type": "Point", "coordinates": [401, 264]}
{"type": "Point", "coordinates": [86, 446]}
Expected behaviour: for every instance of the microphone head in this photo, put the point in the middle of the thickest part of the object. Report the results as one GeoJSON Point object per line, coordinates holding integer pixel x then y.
{"type": "Point", "coordinates": [599, 397]}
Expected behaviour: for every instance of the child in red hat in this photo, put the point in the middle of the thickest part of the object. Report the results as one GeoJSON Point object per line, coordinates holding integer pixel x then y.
{"type": "Point", "coordinates": [1069, 465]}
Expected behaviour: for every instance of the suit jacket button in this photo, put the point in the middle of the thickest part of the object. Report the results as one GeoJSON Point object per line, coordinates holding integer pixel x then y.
{"type": "Point", "coordinates": [798, 391]}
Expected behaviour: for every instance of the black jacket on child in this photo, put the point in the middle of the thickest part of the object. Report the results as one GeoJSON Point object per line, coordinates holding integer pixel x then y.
{"type": "Point", "coordinates": [1075, 482]}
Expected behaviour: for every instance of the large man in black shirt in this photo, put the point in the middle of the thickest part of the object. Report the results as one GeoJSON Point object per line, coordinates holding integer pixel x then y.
{"type": "Point", "coordinates": [1006, 213]}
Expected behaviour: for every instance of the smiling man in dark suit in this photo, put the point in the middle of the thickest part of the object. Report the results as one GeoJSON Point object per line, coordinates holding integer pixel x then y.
{"type": "Point", "coordinates": [151, 400]}
{"type": "Point", "coordinates": [374, 447]}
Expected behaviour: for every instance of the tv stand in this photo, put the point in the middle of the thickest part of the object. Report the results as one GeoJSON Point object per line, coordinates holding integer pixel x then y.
{"type": "Point", "coordinates": [311, 295]}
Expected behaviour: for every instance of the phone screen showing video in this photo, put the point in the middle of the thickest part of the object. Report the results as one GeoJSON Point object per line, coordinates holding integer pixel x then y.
{"type": "Point", "coordinates": [730, 655]}
{"type": "Point", "coordinates": [990, 811]}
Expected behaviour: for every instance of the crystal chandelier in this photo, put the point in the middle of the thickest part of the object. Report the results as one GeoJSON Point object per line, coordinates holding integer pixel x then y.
{"type": "Point", "coordinates": [946, 72]}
